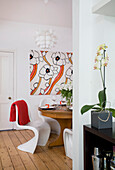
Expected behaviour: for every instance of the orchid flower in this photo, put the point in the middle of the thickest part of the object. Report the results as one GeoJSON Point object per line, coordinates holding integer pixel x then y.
{"type": "Point", "coordinates": [96, 59]}
{"type": "Point", "coordinates": [102, 47]}
{"type": "Point", "coordinates": [96, 66]}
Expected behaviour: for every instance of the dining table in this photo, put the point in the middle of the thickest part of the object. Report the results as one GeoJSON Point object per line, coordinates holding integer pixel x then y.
{"type": "Point", "coordinates": [64, 116]}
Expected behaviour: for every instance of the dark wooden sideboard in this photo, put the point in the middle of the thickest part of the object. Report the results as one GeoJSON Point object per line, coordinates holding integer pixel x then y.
{"type": "Point", "coordinates": [103, 139]}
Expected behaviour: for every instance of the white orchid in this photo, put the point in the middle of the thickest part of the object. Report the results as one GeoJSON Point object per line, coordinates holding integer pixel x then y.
{"type": "Point", "coordinates": [101, 61]}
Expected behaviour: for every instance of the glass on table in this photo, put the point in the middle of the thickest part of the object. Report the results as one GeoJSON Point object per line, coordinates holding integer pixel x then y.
{"type": "Point", "coordinates": [54, 99]}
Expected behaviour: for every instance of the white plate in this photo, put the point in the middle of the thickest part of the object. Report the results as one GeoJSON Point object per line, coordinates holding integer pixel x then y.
{"type": "Point", "coordinates": [71, 108]}
{"type": "Point", "coordinates": [62, 104]}
{"type": "Point", "coordinates": [46, 107]}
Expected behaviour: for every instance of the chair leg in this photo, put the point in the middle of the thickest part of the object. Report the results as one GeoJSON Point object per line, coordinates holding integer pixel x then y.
{"type": "Point", "coordinates": [55, 126]}
{"type": "Point", "coordinates": [44, 133]}
{"type": "Point", "coordinates": [30, 146]}
{"type": "Point", "coordinates": [67, 136]}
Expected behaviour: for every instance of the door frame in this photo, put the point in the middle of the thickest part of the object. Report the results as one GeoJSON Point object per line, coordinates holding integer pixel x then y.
{"type": "Point", "coordinates": [14, 70]}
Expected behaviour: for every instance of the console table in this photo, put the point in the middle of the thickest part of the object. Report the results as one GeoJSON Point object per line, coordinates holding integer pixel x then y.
{"type": "Point", "coordinates": [103, 139]}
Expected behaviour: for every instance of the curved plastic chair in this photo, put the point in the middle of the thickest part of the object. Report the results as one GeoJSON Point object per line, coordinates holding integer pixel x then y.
{"type": "Point", "coordinates": [68, 142]}
{"type": "Point", "coordinates": [54, 125]}
{"type": "Point", "coordinates": [41, 131]}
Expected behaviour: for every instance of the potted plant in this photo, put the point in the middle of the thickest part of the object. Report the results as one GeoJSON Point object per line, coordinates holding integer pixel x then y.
{"type": "Point", "coordinates": [66, 92]}
{"type": "Point", "coordinates": [101, 115]}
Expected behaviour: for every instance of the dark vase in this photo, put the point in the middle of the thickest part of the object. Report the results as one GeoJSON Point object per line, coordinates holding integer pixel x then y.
{"type": "Point", "coordinates": [101, 120]}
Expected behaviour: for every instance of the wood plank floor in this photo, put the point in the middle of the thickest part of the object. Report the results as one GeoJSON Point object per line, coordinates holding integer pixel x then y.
{"type": "Point", "coordinates": [44, 158]}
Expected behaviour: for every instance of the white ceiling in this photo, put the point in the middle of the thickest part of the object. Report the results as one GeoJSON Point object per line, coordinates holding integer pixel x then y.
{"type": "Point", "coordinates": [55, 12]}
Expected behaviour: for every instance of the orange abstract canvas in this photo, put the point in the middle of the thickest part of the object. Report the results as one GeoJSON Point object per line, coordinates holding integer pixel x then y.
{"type": "Point", "coordinates": [49, 69]}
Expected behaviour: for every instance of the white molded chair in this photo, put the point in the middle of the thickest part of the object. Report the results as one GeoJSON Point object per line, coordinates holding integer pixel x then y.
{"type": "Point", "coordinates": [41, 131]}
{"type": "Point", "coordinates": [68, 142]}
{"type": "Point", "coordinates": [54, 125]}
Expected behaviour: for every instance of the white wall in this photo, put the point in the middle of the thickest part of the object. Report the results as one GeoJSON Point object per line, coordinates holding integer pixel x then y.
{"type": "Point", "coordinates": [82, 75]}
{"type": "Point", "coordinates": [93, 31]}
{"type": "Point", "coordinates": [20, 37]}
{"type": "Point", "coordinates": [76, 115]}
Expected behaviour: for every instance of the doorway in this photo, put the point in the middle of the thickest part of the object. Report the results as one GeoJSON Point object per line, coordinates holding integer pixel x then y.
{"type": "Point", "coordinates": [7, 87]}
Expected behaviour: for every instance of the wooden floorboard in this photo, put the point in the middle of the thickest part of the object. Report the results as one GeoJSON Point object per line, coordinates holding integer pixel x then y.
{"type": "Point", "coordinates": [44, 158]}
{"type": "Point", "coordinates": [4, 154]}
{"type": "Point", "coordinates": [0, 164]}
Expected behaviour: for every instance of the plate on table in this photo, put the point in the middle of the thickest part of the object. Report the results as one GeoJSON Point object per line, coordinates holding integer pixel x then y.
{"type": "Point", "coordinates": [63, 104]}
{"type": "Point", "coordinates": [46, 107]}
{"type": "Point", "coordinates": [71, 108]}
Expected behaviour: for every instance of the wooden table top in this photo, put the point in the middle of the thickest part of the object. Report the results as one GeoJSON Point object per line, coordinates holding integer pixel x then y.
{"type": "Point", "coordinates": [61, 112]}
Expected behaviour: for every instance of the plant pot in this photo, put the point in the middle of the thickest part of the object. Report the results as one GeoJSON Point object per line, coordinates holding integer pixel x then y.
{"type": "Point", "coordinates": [101, 120]}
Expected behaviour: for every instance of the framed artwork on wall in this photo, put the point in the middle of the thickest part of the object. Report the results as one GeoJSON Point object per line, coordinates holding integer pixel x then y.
{"type": "Point", "coordinates": [49, 69]}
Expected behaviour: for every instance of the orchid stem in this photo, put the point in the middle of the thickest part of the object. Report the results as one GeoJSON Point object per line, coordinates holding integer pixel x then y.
{"type": "Point", "coordinates": [101, 75]}
{"type": "Point", "coordinates": [104, 70]}
{"type": "Point", "coordinates": [104, 78]}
